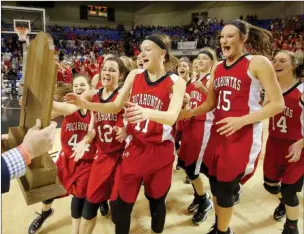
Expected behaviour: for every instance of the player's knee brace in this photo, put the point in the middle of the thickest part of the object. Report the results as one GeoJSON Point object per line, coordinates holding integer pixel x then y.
{"type": "Point", "coordinates": [49, 201]}
{"type": "Point", "coordinates": [123, 219]}
{"type": "Point", "coordinates": [225, 194]}
{"type": "Point", "coordinates": [113, 205]}
{"type": "Point", "coordinates": [158, 213]}
{"type": "Point", "coordinates": [212, 182]}
{"type": "Point", "coordinates": [89, 210]}
{"type": "Point", "coordinates": [272, 189]}
{"type": "Point", "coordinates": [77, 207]}
{"type": "Point", "coordinates": [289, 194]}
{"type": "Point", "coordinates": [190, 171]}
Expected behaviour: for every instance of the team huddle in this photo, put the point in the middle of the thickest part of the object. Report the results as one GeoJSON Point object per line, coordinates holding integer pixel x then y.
{"type": "Point", "coordinates": [128, 133]}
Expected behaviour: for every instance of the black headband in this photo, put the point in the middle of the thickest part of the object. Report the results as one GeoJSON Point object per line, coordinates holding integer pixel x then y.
{"type": "Point", "coordinates": [207, 53]}
{"type": "Point", "coordinates": [160, 43]}
{"type": "Point", "coordinates": [240, 25]}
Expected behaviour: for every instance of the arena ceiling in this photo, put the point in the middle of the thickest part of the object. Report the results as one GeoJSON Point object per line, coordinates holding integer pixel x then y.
{"type": "Point", "coordinates": [134, 6]}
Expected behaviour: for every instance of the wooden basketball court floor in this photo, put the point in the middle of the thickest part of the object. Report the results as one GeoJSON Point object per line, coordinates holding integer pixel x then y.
{"type": "Point", "coordinates": [253, 215]}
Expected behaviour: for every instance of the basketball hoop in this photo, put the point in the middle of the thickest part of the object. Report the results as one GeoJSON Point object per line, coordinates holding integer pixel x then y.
{"type": "Point", "coordinates": [22, 33]}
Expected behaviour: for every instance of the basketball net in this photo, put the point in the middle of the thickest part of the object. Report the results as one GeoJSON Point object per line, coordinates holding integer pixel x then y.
{"type": "Point", "coordinates": [22, 33]}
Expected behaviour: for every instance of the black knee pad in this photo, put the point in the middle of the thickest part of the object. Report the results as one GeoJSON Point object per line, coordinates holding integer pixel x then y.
{"type": "Point", "coordinates": [190, 171]}
{"type": "Point", "coordinates": [272, 189]}
{"type": "Point", "coordinates": [181, 163]}
{"type": "Point", "coordinates": [289, 193]}
{"type": "Point", "coordinates": [225, 192]}
{"type": "Point", "coordinates": [89, 210]}
{"type": "Point", "coordinates": [123, 218]}
{"type": "Point", "coordinates": [113, 206]}
{"type": "Point", "coordinates": [158, 213]}
{"type": "Point", "coordinates": [49, 201]}
{"type": "Point", "coordinates": [77, 207]}
{"type": "Point", "coordinates": [212, 182]}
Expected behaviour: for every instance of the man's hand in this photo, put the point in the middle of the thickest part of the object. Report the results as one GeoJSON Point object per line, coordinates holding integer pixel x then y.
{"type": "Point", "coordinates": [38, 142]}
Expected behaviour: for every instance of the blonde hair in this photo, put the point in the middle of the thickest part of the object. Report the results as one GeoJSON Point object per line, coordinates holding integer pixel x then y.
{"type": "Point", "coordinates": [128, 62]}
{"type": "Point", "coordinates": [211, 51]}
{"type": "Point", "coordinates": [296, 60]}
{"type": "Point", "coordinates": [171, 62]}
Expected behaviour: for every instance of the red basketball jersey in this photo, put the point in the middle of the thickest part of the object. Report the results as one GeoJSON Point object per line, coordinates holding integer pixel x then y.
{"type": "Point", "coordinates": [237, 90]}
{"type": "Point", "coordinates": [197, 97]}
{"type": "Point", "coordinates": [153, 95]}
{"type": "Point", "coordinates": [104, 124]}
{"type": "Point", "coordinates": [74, 129]}
{"type": "Point", "coordinates": [289, 123]}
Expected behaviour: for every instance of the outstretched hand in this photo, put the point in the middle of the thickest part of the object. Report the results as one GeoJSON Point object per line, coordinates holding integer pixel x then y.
{"type": "Point", "coordinates": [75, 99]}
{"type": "Point", "coordinates": [135, 113]}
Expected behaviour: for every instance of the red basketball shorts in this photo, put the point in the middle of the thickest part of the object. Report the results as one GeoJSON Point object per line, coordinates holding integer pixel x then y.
{"type": "Point", "coordinates": [151, 163]}
{"type": "Point", "coordinates": [276, 165]}
{"type": "Point", "coordinates": [102, 176]}
{"type": "Point", "coordinates": [194, 142]}
{"type": "Point", "coordinates": [74, 175]}
{"type": "Point", "coordinates": [226, 158]}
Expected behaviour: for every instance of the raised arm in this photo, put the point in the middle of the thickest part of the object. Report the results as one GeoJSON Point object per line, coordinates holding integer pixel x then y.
{"type": "Point", "coordinates": [63, 108]}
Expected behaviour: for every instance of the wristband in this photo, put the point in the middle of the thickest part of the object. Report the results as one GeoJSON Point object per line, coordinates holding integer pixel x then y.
{"type": "Point", "coordinates": [25, 154]}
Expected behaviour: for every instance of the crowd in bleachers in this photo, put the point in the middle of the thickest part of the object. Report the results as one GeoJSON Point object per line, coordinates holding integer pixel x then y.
{"type": "Point", "coordinates": [83, 48]}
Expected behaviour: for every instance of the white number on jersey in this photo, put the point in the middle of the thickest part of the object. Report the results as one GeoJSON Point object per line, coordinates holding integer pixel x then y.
{"type": "Point", "coordinates": [193, 105]}
{"type": "Point", "coordinates": [226, 102]}
{"type": "Point", "coordinates": [106, 137]}
{"type": "Point", "coordinates": [282, 124]}
{"type": "Point", "coordinates": [145, 129]}
{"type": "Point", "coordinates": [74, 141]}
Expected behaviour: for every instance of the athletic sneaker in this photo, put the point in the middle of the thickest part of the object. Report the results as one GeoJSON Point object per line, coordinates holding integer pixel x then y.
{"type": "Point", "coordinates": [104, 209]}
{"type": "Point", "coordinates": [177, 167]}
{"type": "Point", "coordinates": [194, 205]}
{"type": "Point", "coordinates": [290, 229]}
{"type": "Point", "coordinates": [202, 211]}
{"type": "Point", "coordinates": [279, 212]}
{"type": "Point", "coordinates": [37, 223]}
{"type": "Point", "coordinates": [212, 230]}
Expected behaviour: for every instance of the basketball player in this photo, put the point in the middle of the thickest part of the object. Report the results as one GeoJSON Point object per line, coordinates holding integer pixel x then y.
{"type": "Point", "coordinates": [102, 184]}
{"type": "Point", "coordinates": [156, 98]}
{"type": "Point", "coordinates": [139, 62]}
{"type": "Point", "coordinates": [191, 144]}
{"type": "Point", "coordinates": [195, 69]}
{"type": "Point", "coordinates": [284, 156]}
{"type": "Point", "coordinates": [205, 60]}
{"type": "Point", "coordinates": [73, 175]}
{"type": "Point", "coordinates": [234, 95]}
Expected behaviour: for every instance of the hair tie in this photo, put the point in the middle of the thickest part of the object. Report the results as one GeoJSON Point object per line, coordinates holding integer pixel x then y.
{"type": "Point", "coordinates": [160, 44]}
{"type": "Point", "coordinates": [207, 53]}
{"type": "Point", "coordinates": [240, 25]}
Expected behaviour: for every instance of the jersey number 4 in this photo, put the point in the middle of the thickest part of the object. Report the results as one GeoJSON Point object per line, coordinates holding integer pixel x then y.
{"type": "Point", "coordinates": [282, 124]}
{"type": "Point", "coordinates": [74, 141]}
{"type": "Point", "coordinates": [223, 101]}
